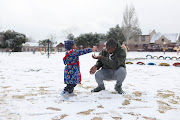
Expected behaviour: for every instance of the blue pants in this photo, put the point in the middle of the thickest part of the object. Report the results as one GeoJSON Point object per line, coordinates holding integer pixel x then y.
{"type": "Point", "coordinates": [111, 74]}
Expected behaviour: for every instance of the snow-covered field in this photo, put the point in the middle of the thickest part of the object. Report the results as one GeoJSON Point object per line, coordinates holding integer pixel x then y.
{"type": "Point", "coordinates": [30, 87]}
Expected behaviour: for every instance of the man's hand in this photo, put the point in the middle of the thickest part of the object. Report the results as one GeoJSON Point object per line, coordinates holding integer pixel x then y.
{"type": "Point", "coordinates": [93, 70]}
{"type": "Point", "coordinates": [97, 57]}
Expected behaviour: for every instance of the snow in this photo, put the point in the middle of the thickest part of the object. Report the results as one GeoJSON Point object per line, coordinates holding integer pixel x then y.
{"type": "Point", "coordinates": [30, 86]}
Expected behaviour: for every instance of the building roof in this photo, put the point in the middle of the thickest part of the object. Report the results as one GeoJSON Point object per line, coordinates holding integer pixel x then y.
{"type": "Point", "coordinates": [147, 32]}
{"type": "Point", "coordinates": [54, 45]}
{"type": "Point", "coordinates": [173, 37]}
{"type": "Point", "coordinates": [31, 44]}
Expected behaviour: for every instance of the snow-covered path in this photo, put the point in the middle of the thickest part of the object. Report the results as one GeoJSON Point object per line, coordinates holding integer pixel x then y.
{"type": "Point", "coordinates": [30, 86]}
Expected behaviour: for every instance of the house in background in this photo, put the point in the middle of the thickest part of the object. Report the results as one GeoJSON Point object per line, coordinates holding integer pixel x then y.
{"type": "Point", "coordinates": [60, 47]}
{"type": "Point", "coordinates": [140, 42]}
{"type": "Point", "coordinates": [169, 41]}
{"type": "Point", "coordinates": [30, 47]}
{"type": "Point", "coordinates": [153, 41]}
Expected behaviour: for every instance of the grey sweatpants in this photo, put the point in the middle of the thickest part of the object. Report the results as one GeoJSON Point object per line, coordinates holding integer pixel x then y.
{"type": "Point", "coordinates": [111, 74]}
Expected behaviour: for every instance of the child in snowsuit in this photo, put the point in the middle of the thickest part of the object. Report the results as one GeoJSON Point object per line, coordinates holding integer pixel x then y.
{"type": "Point", "coordinates": [72, 75]}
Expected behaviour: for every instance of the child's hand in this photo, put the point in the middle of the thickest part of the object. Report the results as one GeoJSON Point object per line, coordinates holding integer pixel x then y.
{"type": "Point", "coordinates": [97, 57]}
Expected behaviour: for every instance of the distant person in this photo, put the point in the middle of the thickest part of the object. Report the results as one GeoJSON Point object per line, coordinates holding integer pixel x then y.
{"type": "Point", "coordinates": [110, 65]}
{"type": "Point", "coordinates": [125, 48]}
{"type": "Point", "coordinates": [72, 75]}
{"type": "Point", "coordinates": [178, 48]}
{"type": "Point", "coordinates": [164, 47]}
{"type": "Point", "coordinates": [34, 50]}
{"type": "Point", "coordinates": [164, 50]}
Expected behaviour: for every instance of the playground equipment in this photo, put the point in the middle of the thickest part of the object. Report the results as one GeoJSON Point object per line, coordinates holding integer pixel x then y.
{"type": "Point", "coordinates": [140, 63]}
{"type": "Point", "coordinates": [161, 57]}
{"type": "Point", "coordinates": [174, 57]}
{"type": "Point", "coordinates": [151, 64]}
{"type": "Point", "coordinates": [130, 59]}
{"type": "Point", "coordinates": [49, 46]}
{"type": "Point", "coordinates": [155, 57]}
{"type": "Point", "coordinates": [167, 57]}
{"type": "Point", "coordinates": [164, 64]}
{"type": "Point", "coordinates": [148, 55]}
{"type": "Point", "coordinates": [54, 51]}
{"type": "Point", "coordinates": [41, 51]}
{"type": "Point", "coordinates": [176, 64]}
{"type": "Point", "coordinates": [129, 63]}
{"type": "Point", "coordinates": [161, 64]}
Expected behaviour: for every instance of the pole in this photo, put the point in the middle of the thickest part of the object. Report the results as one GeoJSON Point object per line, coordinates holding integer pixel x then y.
{"type": "Point", "coordinates": [45, 47]}
{"type": "Point", "coordinates": [48, 47]}
{"type": "Point", "coordinates": [51, 47]}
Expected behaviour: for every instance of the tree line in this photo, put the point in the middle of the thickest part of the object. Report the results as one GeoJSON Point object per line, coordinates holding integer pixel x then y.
{"type": "Point", "coordinates": [12, 40]}
{"type": "Point", "coordinates": [91, 39]}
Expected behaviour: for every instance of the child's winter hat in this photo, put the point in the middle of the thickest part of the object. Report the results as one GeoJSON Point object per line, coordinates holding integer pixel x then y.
{"type": "Point", "coordinates": [68, 44]}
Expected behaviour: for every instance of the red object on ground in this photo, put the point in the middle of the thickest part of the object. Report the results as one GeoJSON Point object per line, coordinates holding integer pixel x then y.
{"type": "Point", "coordinates": [176, 64]}
{"type": "Point", "coordinates": [140, 63]}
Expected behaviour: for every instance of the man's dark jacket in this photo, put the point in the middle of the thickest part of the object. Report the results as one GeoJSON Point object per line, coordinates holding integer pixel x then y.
{"type": "Point", "coordinates": [115, 61]}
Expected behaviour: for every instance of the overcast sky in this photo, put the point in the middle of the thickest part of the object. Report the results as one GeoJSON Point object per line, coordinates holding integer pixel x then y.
{"type": "Point", "coordinates": [39, 18]}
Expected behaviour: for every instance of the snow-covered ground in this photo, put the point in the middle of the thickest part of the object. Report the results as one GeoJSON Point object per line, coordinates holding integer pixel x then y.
{"type": "Point", "coordinates": [30, 87]}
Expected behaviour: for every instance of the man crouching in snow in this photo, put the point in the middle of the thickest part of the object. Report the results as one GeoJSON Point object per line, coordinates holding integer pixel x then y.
{"type": "Point", "coordinates": [112, 61]}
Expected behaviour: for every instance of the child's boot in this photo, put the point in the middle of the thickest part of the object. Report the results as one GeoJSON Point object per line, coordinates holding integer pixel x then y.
{"type": "Point", "coordinates": [65, 95]}
{"type": "Point", "coordinates": [72, 94]}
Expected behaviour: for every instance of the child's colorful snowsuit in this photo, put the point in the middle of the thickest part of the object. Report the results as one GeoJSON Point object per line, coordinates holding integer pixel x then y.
{"type": "Point", "coordinates": [72, 73]}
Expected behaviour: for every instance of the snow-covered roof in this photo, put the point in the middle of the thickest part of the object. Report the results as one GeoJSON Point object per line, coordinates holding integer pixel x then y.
{"type": "Point", "coordinates": [31, 44]}
{"type": "Point", "coordinates": [173, 37]}
{"type": "Point", "coordinates": [35, 44]}
{"type": "Point", "coordinates": [54, 45]}
{"type": "Point", "coordinates": [146, 32]}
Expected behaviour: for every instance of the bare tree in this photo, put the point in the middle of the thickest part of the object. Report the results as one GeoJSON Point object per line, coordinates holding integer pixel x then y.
{"type": "Point", "coordinates": [0, 36]}
{"type": "Point", "coordinates": [52, 37]}
{"type": "Point", "coordinates": [67, 33]}
{"type": "Point", "coordinates": [130, 24]}
{"type": "Point", "coordinates": [30, 39]}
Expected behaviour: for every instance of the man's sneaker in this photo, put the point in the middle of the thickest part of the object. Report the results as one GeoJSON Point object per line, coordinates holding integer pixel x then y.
{"type": "Point", "coordinates": [65, 95]}
{"type": "Point", "coordinates": [98, 88]}
{"type": "Point", "coordinates": [118, 88]}
{"type": "Point", "coordinates": [72, 94]}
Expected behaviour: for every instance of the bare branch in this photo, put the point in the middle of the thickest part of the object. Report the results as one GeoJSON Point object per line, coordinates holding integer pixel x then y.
{"type": "Point", "coordinates": [52, 37]}
{"type": "Point", "coordinates": [130, 25]}
{"type": "Point", "coordinates": [66, 32]}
